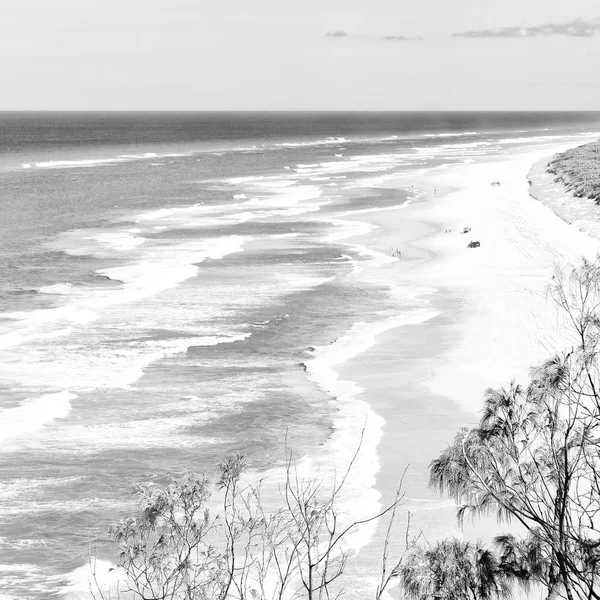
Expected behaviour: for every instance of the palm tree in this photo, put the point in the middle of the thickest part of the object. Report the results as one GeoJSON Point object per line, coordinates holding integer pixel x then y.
{"type": "Point", "coordinates": [454, 570]}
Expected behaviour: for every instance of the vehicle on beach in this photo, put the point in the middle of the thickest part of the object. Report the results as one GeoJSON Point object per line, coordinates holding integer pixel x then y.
{"type": "Point", "coordinates": [473, 245]}
{"type": "Point", "coordinates": [495, 183]}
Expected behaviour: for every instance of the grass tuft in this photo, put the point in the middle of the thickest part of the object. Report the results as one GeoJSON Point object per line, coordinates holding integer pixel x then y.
{"type": "Point", "coordinates": [578, 169]}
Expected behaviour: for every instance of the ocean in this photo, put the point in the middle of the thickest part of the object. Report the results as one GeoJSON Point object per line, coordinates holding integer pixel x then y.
{"type": "Point", "coordinates": [177, 287]}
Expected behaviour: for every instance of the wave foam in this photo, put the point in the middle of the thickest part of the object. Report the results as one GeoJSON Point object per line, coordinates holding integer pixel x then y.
{"type": "Point", "coordinates": [159, 269]}
{"type": "Point", "coordinates": [100, 366]}
{"type": "Point", "coordinates": [288, 200]}
{"type": "Point", "coordinates": [63, 164]}
{"type": "Point", "coordinates": [355, 418]}
{"type": "Point", "coordinates": [34, 414]}
{"type": "Point", "coordinates": [99, 162]}
{"type": "Point", "coordinates": [57, 288]}
{"type": "Point", "coordinates": [345, 229]}
{"type": "Point", "coordinates": [325, 142]}
{"type": "Point", "coordinates": [449, 135]}
{"type": "Point", "coordinates": [97, 578]}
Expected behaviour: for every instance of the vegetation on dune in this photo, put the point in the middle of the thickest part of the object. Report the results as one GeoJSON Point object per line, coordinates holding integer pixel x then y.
{"type": "Point", "coordinates": [175, 548]}
{"type": "Point", "coordinates": [534, 457]}
{"type": "Point", "coordinates": [579, 170]}
{"type": "Point", "coordinates": [532, 460]}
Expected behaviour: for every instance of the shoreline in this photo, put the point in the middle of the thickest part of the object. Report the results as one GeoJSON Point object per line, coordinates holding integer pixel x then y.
{"type": "Point", "coordinates": [409, 376]}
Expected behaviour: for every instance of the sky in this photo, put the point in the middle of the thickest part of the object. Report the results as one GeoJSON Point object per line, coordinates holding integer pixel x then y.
{"type": "Point", "coordinates": [300, 55]}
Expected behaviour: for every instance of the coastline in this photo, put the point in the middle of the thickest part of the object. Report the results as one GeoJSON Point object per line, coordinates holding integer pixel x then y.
{"type": "Point", "coordinates": [494, 320]}
{"type": "Point", "coordinates": [327, 327]}
{"type": "Point", "coordinates": [400, 373]}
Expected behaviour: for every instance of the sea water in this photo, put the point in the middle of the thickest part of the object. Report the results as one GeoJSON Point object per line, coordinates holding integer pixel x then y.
{"type": "Point", "coordinates": [179, 287]}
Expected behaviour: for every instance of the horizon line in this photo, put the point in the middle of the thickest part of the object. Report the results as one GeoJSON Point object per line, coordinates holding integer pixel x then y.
{"type": "Point", "coordinates": [286, 111]}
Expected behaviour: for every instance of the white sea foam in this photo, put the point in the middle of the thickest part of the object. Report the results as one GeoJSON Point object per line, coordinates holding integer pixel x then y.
{"type": "Point", "coordinates": [247, 179]}
{"type": "Point", "coordinates": [10, 545]}
{"type": "Point", "coordinates": [172, 424]}
{"type": "Point", "coordinates": [353, 416]}
{"type": "Point", "coordinates": [145, 155]}
{"type": "Point", "coordinates": [13, 490]}
{"type": "Point", "coordinates": [345, 229]}
{"type": "Point", "coordinates": [289, 199]}
{"type": "Point", "coordinates": [168, 432]}
{"type": "Point", "coordinates": [64, 164]}
{"type": "Point", "coordinates": [278, 183]}
{"type": "Point", "coordinates": [376, 259]}
{"type": "Point", "coordinates": [24, 327]}
{"type": "Point", "coordinates": [120, 241]}
{"type": "Point", "coordinates": [356, 164]}
{"type": "Point", "coordinates": [57, 288]}
{"type": "Point", "coordinates": [325, 142]}
{"type": "Point", "coordinates": [161, 268]}
{"type": "Point", "coordinates": [101, 243]}
{"type": "Point", "coordinates": [369, 181]}
{"type": "Point", "coordinates": [299, 282]}
{"type": "Point", "coordinates": [103, 161]}
{"type": "Point", "coordinates": [449, 135]}
{"type": "Point", "coordinates": [97, 578]}
{"type": "Point", "coordinates": [33, 414]}
{"type": "Point", "coordinates": [101, 366]}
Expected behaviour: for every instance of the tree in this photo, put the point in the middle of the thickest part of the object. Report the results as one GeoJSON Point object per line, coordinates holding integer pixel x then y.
{"type": "Point", "coordinates": [165, 551]}
{"type": "Point", "coordinates": [534, 456]}
{"type": "Point", "coordinates": [174, 549]}
{"type": "Point", "coordinates": [454, 570]}
{"type": "Point", "coordinates": [524, 560]}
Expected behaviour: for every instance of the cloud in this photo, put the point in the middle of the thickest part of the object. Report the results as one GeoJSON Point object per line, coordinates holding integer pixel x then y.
{"type": "Point", "coordinates": [399, 38]}
{"type": "Point", "coordinates": [338, 33]}
{"type": "Point", "coordinates": [576, 28]}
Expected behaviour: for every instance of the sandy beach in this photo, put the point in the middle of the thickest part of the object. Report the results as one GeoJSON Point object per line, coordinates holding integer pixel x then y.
{"type": "Point", "coordinates": [426, 380]}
